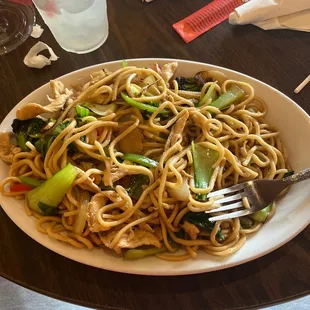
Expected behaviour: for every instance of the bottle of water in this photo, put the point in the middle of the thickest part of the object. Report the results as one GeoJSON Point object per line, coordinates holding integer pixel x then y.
{"type": "Point", "coordinates": [79, 26]}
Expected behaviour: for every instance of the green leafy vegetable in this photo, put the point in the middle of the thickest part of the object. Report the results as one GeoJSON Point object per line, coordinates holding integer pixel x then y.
{"type": "Point", "coordinates": [201, 220]}
{"type": "Point", "coordinates": [43, 144]}
{"type": "Point", "coordinates": [141, 160]}
{"type": "Point", "coordinates": [189, 84]}
{"type": "Point", "coordinates": [28, 130]}
{"type": "Point", "coordinates": [204, 158]}
{"type": "Point", "coordinates": [210, 94]}
{"type": "Point", "coordinates": [233, 95]}
{"type": "Point", "coordinates": [81, 111]}
{"type": "Point", "coordinates": [51, 192]}
{"type": "Point", "coordinates": [261, 215]}
{"type": "Point", "coordinates": [135, 187]}
{"type": "Point", "coordinates": [143, 106]}
{"type": "Point", "coordinates": [124, 63]}
{"type": "Point", "coordinates": [47, 210]}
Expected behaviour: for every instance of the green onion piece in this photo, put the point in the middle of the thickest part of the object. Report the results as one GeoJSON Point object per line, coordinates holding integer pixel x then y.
{"type": "Point", "coordinates": [52, 191]}
{"type": "Point", "coordinates": [124, 63]}
{"type": "Point", "coordinates": [261, 215]}
{"type": "Point", "coordinates": [30, 181]}
{"type": "Point", "coordinates": [143, 106]}
{"type": "Point", "coordinates": [204, 158]}
{"type": "Point", "coordinates": [81, 111]}
{"type": "Point", "coordinates": [210, 94]}
{"type": "Point", "coordinates": [141, 160]}
{"type": "Point", "coordinates": [140, 253]}
{"type": "Point", "coordinates": [233, 95]}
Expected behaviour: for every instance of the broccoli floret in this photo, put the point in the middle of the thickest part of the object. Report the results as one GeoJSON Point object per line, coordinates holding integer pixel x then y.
{"type": "Point", "coordinates": [28, 130]}
{"type": "Point", "coordinates": [189, 84]}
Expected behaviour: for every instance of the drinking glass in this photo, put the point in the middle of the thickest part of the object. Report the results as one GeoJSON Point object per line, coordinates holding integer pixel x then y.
{"type": "Point", "coordinates": [79, 26]}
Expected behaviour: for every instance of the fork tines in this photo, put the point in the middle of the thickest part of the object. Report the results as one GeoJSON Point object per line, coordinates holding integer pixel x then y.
{"type": "Point", "coordinates": [228, 199]}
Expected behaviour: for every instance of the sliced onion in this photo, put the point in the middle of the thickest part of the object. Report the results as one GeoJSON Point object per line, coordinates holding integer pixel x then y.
{"type": "Point", "coordinates": [211, 75]}
{"type": "Point", "coordinates": [182, 193]}
{"type": "Point", "coordinates": [217, 76]}
{"type": "Point", "coordinates": [80, 221]}
{"type": "Point", "coordinates": [100, 109]}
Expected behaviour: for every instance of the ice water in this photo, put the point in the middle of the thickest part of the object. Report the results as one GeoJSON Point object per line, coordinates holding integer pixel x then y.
{"type": "Point", "coordinates": [79, 26]}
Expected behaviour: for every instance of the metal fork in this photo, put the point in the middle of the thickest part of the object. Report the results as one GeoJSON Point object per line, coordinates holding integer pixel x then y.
{"type": "Point", "coordinates": [260, 194]}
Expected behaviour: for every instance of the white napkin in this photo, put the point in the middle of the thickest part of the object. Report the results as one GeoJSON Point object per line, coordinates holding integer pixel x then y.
{"type": "Point", "coordinates": [274, 14]}
{"type": "Point", "coordinates": [34, 60]}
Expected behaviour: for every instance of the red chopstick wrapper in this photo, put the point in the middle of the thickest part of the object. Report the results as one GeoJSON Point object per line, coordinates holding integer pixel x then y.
{"type": "Point", "coordinates": [206, 18]}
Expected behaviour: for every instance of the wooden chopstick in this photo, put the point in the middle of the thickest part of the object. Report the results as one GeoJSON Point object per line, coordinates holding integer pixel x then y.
{"type": "Point", "coordinates": [302, 84]}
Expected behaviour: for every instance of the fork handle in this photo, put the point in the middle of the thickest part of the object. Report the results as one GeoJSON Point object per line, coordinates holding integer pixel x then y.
{"type": "Point", "coordinates": [297, 177]}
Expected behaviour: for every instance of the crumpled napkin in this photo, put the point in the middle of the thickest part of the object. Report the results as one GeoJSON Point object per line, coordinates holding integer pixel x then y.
{"type": "Point", "coordinates": [34, 60]}
{"type": "Point", "coordinates": [37, 31]}
{"type": "Point", "coordinates": [274, 14]}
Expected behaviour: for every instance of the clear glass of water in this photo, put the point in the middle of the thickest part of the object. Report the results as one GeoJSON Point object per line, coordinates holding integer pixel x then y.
{"type": "Point", "coordinates": [79, 26]}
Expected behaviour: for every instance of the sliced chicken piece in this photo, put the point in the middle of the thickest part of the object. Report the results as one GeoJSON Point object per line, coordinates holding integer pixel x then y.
{"type": "Point", "coordinates": [7, 150]}
{"type": "Point", "coordinates": [88, 184]}
{"type": "Point", "coordinates": [97, 202]}
{"type": "Point", "coordinates": [191, 229]}
{"type": "Point", "coordinates": [118, 173]}
{"type": "Point", "coordinates": [57, 87]}
{"type": "Point", "coordinates": [127, 241]}
{"type": "Point", "coordinates": [177, 129]}
{"type": "Point", "coordinates": [31, 110]}
{"type": "Point", "coordinates": [167, 71]}
{"type": "Point", "coordinates": [158, 233]}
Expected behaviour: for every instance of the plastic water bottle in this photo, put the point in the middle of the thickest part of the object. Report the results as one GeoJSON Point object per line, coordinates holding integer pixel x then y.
{"type": "Point", "coordinates": [79, 26]}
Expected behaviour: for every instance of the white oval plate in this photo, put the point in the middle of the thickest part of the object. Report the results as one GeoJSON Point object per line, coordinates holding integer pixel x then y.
{"type": "Point", "coordinates": [292, 214]}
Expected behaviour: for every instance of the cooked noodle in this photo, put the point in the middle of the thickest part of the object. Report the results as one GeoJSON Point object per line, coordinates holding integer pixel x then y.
{"type": "Point", "coordinates": [247, 147]}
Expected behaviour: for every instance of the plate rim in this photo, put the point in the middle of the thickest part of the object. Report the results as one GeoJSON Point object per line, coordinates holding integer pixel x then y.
{"type": "Point", "coordinates": [174, 272]}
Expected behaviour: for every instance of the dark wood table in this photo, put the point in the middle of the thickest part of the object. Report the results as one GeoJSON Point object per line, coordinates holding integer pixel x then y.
{"type": "Point", "coordinates": [279, 58]}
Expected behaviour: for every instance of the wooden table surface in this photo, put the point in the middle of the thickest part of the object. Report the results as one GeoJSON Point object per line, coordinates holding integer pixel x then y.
{"type": "Point", "coordinates": [279, 58]}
